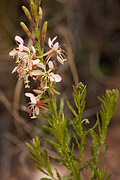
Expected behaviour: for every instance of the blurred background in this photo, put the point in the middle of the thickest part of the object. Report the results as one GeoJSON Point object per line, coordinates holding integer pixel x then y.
{"type": "Point", "coordinates": [91, 31]}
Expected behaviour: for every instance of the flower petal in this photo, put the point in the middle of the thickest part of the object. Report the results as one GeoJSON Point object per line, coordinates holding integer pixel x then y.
{"type": "Point", "coordinates": [33, 49]}
{"type": "Point", "coordinates": [54, 39]}
{"type": "Point", "coordinates": [56, 77]}
{"type": "Point", "coordinates": [38, 91]}
{"type": "Point", "coordinates": [30, 64]}
{"type": "Point", "coordinates": [37, 110]}
{"type": "Point", "coordinates": [15, 69]}
{"type": "Point", "coordinates": [50, 64]}
{"type": "Point", "coordinates": [55, 46]}
{"type": "Point", "coordinates": [49, 42]}
{"type": "Point", "coordinates": [13, 52]}
{"type": "Point", "coordinates": [24, 48]}
{"type": "Point", "coordinates": [51, 79]}
{"type": "Point", "coordinates": [37, 72]}
{"type": "Point", "coordinates": [22, 55]}
{"type": "Point", "coordinates": [60, 59]}
{"type": "Point", "coordinates": [19, 39]}
{"type": "Point", "coordinates": [35, 61]}
{"type": "Point", "coordinates": [41, 65]}
{"type": "Point", "coordinates": [32, 97]}
{"type": "Point", "coordinates": [20, 47]}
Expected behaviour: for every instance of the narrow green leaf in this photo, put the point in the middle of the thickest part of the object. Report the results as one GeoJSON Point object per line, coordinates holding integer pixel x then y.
{"type": "Point", "coordinates": [95, 138]}
{"type": "Point", "coordinates": [109, 176]}
{"type": "Point", "coordinates": [32, 150]}
{"type": "Point", "coordinates": [38, 167]}
{"type": "Point", "coordinates": [72, 110]}
{"type": "Point", "coordinates": [58, 175]}
{"type": "Point", "coordinates": [32, 157]}
{"type": "Point", "coordinates": [47, 162]}
{"type": "Point", "coordinates": [103, 101]}
{"type": "Point", "coordinates": [65, 138]}
{"type": "Point", "coordinates": [38, 145]}
{"type": "Point", "coordinates": [55, 145]}
{"type": "Point", "coordinates": [30, 147]}
{"type": "Point", "coordinates": [57, 135]}
{"type": "Point", "coordinates": [61, 107]}
{"type": "Point", "coordinates": [99, 125]}
{"type": "Point", "coordinates": [75, 99]}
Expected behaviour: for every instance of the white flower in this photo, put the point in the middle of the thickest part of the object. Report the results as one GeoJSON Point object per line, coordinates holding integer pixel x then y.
{"type": "Point", "coordinates": [35, 104]}
{"type": "Point", "coordinates": [47, 74]}
{"type": "Point", "coordinates": [55, 48]}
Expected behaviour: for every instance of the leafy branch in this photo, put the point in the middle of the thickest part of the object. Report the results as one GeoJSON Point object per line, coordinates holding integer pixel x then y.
{"type": "Point", "coordinates": [69, 133]}
{"type": "Point", "coordinates": [60, 126]}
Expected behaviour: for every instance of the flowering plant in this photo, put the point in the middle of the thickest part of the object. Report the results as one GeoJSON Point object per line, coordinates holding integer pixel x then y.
{"type": "Point", "coordinates": [33, 62]}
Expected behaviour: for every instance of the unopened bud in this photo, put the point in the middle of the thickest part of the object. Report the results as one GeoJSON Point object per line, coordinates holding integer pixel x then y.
{"type": "Point", "coordinates": [32, 5]}
{"type": "Point", "coordinates": [80, 86]}
{"type": "Point", "coordinates": [25, 28]}
{"type": "Point", "coordinates": [40, 16]}
{"type": "Point", "coordinates": [44, 31]}
{"type": "Point", "coordinates": [87, 121]}
{"type": "Point", "coordinates": [27, 13]}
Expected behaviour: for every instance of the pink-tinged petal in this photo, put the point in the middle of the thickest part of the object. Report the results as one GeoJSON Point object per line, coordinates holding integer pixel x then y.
{"type": "Point", "coordinates": [56, 77]}
{"type": "Point", "coordinates": [21, 47]}
{"type": "Point", "coordinates": [22, 54]}
{"type": "Point", "coordinates": [30, 64]}
{"type": "Point", "coordinates": [51, 76]}
{"type": "Point", "coordinates": [33, 49]}
{"type": "Point", "coordinates": [51, 79]}
{"type": "Point", "coordinates": [19, 39]}
{"type": "Point", "coordinates": [54, 39]}
{"type": "Point", "coordinates": [24, 48]}
{"type": "Point", "coordinates": [15, 69]}
{"type": "Point", "coordinates": [35, 62]}
{"type": "Point", "coordinates": [37, 72]}
{"type": "Point", "coordinates": [32, 97]}
{"type": "Point", "coordinates": [38, 91]}
{"type": "Point", "coordinates": [49, 42]}
{"type": "Point", "coordinates": [42, 84]}
{"type": "Point", "coordinates": [59, 59]}
{"type": "Point", "coordinates": [55, 46]}
{"type": "Point", "coordinates": [37, 110]}
{"type": "Point", "coordinates": [50, 64]}
{"type": "Point", "coordinates": [41, 65]}
{"type": "Point", "coordinates": [12, 53]}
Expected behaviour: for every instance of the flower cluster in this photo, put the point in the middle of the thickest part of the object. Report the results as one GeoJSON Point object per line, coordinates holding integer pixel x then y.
{"type": "Point", "coordinates": [24, 60]}
{"type": "Point", "coordinates": [33, 62]}
{"type": "Point", "coordinates": [29, 64]}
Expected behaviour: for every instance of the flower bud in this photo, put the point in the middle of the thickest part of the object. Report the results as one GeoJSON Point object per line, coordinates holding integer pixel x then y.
{"type": "Point", "coordinates": [25, 28]}
{"type": "Point", "coordinates": [39, 16]}
{"type": "Point", "coordinates": [87, 121]}
{"type": "Point", "coordinates": [44, 31]}
{"type": "Point", "coordinates": [27, 13]}
{"type": "Point", "coordinates": [32, 5]}
{"type": "Point", "coordinates": [80, 86]}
